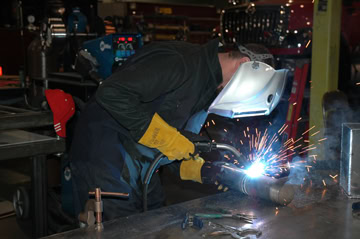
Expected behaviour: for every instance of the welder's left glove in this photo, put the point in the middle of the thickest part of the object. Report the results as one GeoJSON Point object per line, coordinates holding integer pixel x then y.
{"type": "Point", "coordinates": [167, 139]}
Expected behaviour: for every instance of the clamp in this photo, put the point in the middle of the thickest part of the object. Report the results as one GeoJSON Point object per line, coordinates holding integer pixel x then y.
{"type": "Point", "coordinates": [96, 206]}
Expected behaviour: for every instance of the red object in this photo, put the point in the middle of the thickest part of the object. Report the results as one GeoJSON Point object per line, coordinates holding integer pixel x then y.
{"type": "Point", "coordinates": [63, 107]}
{"type": "Point", "coordinates": [295, 102]}
{"type": "Point", "coordinates": [130, 38]}
{"type": "Point", "coordinates": [1, 71]}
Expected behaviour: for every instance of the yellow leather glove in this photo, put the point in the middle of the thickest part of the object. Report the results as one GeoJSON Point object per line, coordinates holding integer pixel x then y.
{"type": "Point", "coordinates": [167, 140]}
{"type": "Point", "coordinates": [191, 169]}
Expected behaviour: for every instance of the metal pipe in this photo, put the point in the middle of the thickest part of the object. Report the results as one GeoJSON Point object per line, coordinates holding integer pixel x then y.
{"type": "Point", "coordinates": [125, 195]}
{"type": "Point", "coordinates": [275, 190]}
{"type": "Point", "coordinates": [98, 208]}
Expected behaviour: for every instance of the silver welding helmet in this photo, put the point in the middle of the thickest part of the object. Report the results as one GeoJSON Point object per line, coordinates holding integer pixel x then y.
{"type": "Point", "coordinates": [255, 89]}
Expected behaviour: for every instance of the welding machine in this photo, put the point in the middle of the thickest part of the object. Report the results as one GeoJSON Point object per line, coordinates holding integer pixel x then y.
{"type": "Point", "coordinates": [112, 50]}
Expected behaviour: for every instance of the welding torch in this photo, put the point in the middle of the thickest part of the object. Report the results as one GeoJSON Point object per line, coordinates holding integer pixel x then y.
{"type": "Point", "coordinates": [275, 190]}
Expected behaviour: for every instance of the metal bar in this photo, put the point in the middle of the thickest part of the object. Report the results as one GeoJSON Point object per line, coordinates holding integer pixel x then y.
{"type": "Point", "coordinates": [13, 109]}
{"type": "Point", "coordinates": [21, 144]}
{"type": "Point", "coordinates": [26, 120]}
{"type": "Point", "coordinates": [39, 189]}
{"type": "Point", "coordinates": [68, 82]}
{"type": "Point", "coordinates": [111, 194]}
{"type": "Point", "coordinates": [25, 149]}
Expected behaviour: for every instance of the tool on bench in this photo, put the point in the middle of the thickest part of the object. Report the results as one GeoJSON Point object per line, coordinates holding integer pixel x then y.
{"type": "Point", "coordinates": [243, 217]}
{"type": "Point", "coordinates": [237, 233]}
{"type": "Point", "coordinates": [192, 221]}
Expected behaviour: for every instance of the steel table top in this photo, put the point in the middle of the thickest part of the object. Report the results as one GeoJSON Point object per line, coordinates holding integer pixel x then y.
{"type": "Point", "coordinates": [316, 212]}
{"type": "Point", "coordinates": [18, 143]}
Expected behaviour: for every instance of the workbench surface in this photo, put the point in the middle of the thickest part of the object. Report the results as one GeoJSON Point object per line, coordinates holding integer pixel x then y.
{"type": "Point", "coordinates": [316, 212]}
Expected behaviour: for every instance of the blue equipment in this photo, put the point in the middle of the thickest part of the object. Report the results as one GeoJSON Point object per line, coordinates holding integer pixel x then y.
{"type": "Point", "coordinates": [112, 50]}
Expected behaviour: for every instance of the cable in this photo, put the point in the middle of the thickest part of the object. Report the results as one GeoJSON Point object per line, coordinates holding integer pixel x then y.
{"type": "Point", "coordinates": [148, 176]}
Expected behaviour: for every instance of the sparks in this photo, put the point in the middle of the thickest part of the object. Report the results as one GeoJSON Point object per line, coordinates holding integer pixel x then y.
{"type": "Point", "coordinates": [308, 130]}
{"type": "Point", "coordinates": [315, 133]}
{"type": "Point", "coordinates": [324, 182]}
{"type": "Point", "coordinates": [265, 159]}
{"type": "Point", "coordinates": [212, 121]}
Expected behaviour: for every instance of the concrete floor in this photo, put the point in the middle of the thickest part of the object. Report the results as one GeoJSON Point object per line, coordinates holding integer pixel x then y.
{"type": "Point", "coordinates": [15, 173]}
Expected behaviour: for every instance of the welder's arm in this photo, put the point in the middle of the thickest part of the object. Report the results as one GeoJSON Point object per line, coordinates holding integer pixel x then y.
{"type": "Point", "coordinates": [125, 95]}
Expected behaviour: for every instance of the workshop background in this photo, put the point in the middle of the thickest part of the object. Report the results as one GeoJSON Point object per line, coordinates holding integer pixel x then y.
{"type": "Point", "coordinates": [74, 45]}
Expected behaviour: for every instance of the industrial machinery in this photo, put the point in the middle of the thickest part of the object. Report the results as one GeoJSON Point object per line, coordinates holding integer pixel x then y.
{"type": "Point", "coordinates": [112, 51]}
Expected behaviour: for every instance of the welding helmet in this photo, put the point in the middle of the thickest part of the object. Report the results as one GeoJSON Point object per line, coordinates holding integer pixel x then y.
{"type": "Point", "coordinates": [255, 89]}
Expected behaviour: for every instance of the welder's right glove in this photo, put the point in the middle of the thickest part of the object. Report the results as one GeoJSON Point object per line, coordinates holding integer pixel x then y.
{"type": "Point", "coordinates": [167, 140]}
{"type": "Point", "coordinates": [191, 169]}
{"type": "Point", "coordinates": [199, 170]}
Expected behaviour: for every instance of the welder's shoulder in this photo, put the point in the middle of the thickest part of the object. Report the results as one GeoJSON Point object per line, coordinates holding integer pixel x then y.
{"type": "Point", "coordinates": [178, 48]}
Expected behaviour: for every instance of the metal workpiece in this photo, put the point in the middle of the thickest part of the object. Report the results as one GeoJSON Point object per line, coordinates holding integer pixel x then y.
{"type": "Point", "coordinates": [316, 212]}
{"type": "Point", "coordinates": [264, 187]}
{"type": "Point", "coordinates": [350, 159]}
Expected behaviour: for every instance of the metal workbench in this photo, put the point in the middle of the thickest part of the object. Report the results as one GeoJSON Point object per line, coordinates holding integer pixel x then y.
{"type": "Point", "coordinates": [15, 143]}
{"type": "Point", "coordinates": [316, 212]}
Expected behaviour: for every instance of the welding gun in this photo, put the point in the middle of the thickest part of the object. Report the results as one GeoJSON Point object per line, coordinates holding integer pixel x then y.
{"type": "Point", "coordinates": [275, 190]}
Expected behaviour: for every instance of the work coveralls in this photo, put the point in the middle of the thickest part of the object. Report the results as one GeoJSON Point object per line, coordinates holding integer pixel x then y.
{"type": "Point", "coordinates": [177, 80]}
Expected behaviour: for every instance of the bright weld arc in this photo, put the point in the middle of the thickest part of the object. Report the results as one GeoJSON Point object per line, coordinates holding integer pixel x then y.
{"type": "Point", "coordinates": [256, 170]}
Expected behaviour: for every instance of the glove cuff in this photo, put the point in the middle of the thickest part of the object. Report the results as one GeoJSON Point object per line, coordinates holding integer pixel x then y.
{"type": "Point", "coordinates": [166, 139]}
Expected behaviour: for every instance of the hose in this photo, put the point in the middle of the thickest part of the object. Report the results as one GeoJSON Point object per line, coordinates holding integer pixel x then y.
{"type": "Point", "coordinates": [148, 176]}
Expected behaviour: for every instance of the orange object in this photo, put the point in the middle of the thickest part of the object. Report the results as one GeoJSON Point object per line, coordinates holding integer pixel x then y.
{"type": "Point", "coordinates": [1, 71]}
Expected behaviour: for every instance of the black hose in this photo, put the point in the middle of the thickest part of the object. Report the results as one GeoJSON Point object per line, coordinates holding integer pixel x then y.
{"type": "Point", "coordinates": [148, 176]}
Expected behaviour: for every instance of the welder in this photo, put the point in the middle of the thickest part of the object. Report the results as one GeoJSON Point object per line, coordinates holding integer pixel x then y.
{"type": "Point", "coordinates": [157, 101]}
